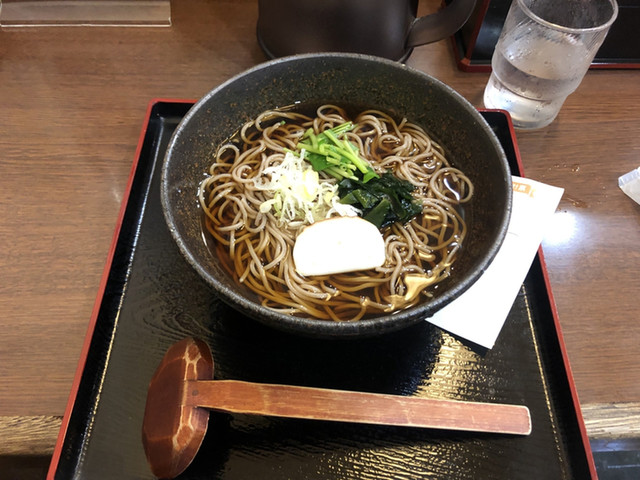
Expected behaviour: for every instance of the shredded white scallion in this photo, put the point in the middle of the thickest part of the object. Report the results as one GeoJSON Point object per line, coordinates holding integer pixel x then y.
{"type": "Point", "coordinates": [299, 195]}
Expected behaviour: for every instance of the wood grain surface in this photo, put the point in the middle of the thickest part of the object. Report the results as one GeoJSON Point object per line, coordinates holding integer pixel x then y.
{"type": "Point", "coordinates": [73, 100]}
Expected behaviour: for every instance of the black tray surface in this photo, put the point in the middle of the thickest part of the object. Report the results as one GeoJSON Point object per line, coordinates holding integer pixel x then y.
{"type": "Point", "coordinates": [153, 298]}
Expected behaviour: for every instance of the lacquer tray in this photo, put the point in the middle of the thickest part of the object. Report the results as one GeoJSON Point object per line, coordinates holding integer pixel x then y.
{"type": "Point", "coordinates": [150, 298]}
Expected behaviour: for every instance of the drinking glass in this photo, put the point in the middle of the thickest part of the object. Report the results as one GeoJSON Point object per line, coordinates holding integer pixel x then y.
{"type": "Point", "coordinates": [544, 50]}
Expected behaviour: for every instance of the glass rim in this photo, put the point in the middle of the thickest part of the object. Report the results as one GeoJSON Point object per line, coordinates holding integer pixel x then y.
{"type": "Point", "coordinates": [562, 28]}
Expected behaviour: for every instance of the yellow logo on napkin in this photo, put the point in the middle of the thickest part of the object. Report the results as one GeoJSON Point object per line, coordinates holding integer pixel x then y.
{"type": "Point", "coordinates": [525, 188]}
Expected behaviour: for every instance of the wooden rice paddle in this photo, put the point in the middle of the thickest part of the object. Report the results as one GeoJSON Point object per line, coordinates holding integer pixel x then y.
{"type": "Point", "coordinates": [182, 392]}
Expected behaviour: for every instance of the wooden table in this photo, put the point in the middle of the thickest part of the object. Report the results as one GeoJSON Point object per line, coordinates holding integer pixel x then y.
{"type": "Point", "coordinates": [73, 100]}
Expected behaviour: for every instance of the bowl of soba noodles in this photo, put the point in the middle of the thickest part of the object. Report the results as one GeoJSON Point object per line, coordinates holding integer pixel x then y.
{"type": "Point", "coordinates": [336, 195]}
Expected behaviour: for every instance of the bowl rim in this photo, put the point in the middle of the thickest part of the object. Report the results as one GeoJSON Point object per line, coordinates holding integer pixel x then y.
{"type": "Point", "coordinates": [325, 328]}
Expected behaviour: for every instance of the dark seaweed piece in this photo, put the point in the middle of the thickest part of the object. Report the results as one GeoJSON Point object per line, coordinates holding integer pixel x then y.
{"type": "Point", "coordinates": [383, 200]}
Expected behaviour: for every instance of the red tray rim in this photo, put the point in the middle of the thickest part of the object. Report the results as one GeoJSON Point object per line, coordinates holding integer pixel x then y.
{"type": "Point", "coordinates": [57, 452]}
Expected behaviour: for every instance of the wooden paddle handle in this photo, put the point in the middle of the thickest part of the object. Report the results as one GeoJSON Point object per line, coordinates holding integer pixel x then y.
{"type": "Point", "coordinates": [344, 406]}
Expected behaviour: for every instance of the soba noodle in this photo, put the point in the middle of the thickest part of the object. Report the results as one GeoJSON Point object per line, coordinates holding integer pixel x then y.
{"type": "Point", "coordinates": [257, 250]}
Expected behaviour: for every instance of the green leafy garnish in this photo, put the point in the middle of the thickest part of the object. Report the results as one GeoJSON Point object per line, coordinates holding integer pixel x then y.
{"type": "Point", "coordinates": [328, 152]}
{"type": "Point", "coordinates": [383, 200]}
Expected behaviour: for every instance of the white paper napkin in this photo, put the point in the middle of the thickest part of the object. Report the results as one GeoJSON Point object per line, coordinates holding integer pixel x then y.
{"type": "Point", "coordinates": [479, 313]}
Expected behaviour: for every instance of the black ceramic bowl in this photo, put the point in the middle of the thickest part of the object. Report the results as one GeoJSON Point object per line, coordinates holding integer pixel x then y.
{"type": "Point", "coordinates": [340, 79]}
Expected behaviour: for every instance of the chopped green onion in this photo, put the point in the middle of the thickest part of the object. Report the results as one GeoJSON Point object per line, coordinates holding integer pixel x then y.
{"type": "Point", "coordinates": [328, 153]}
